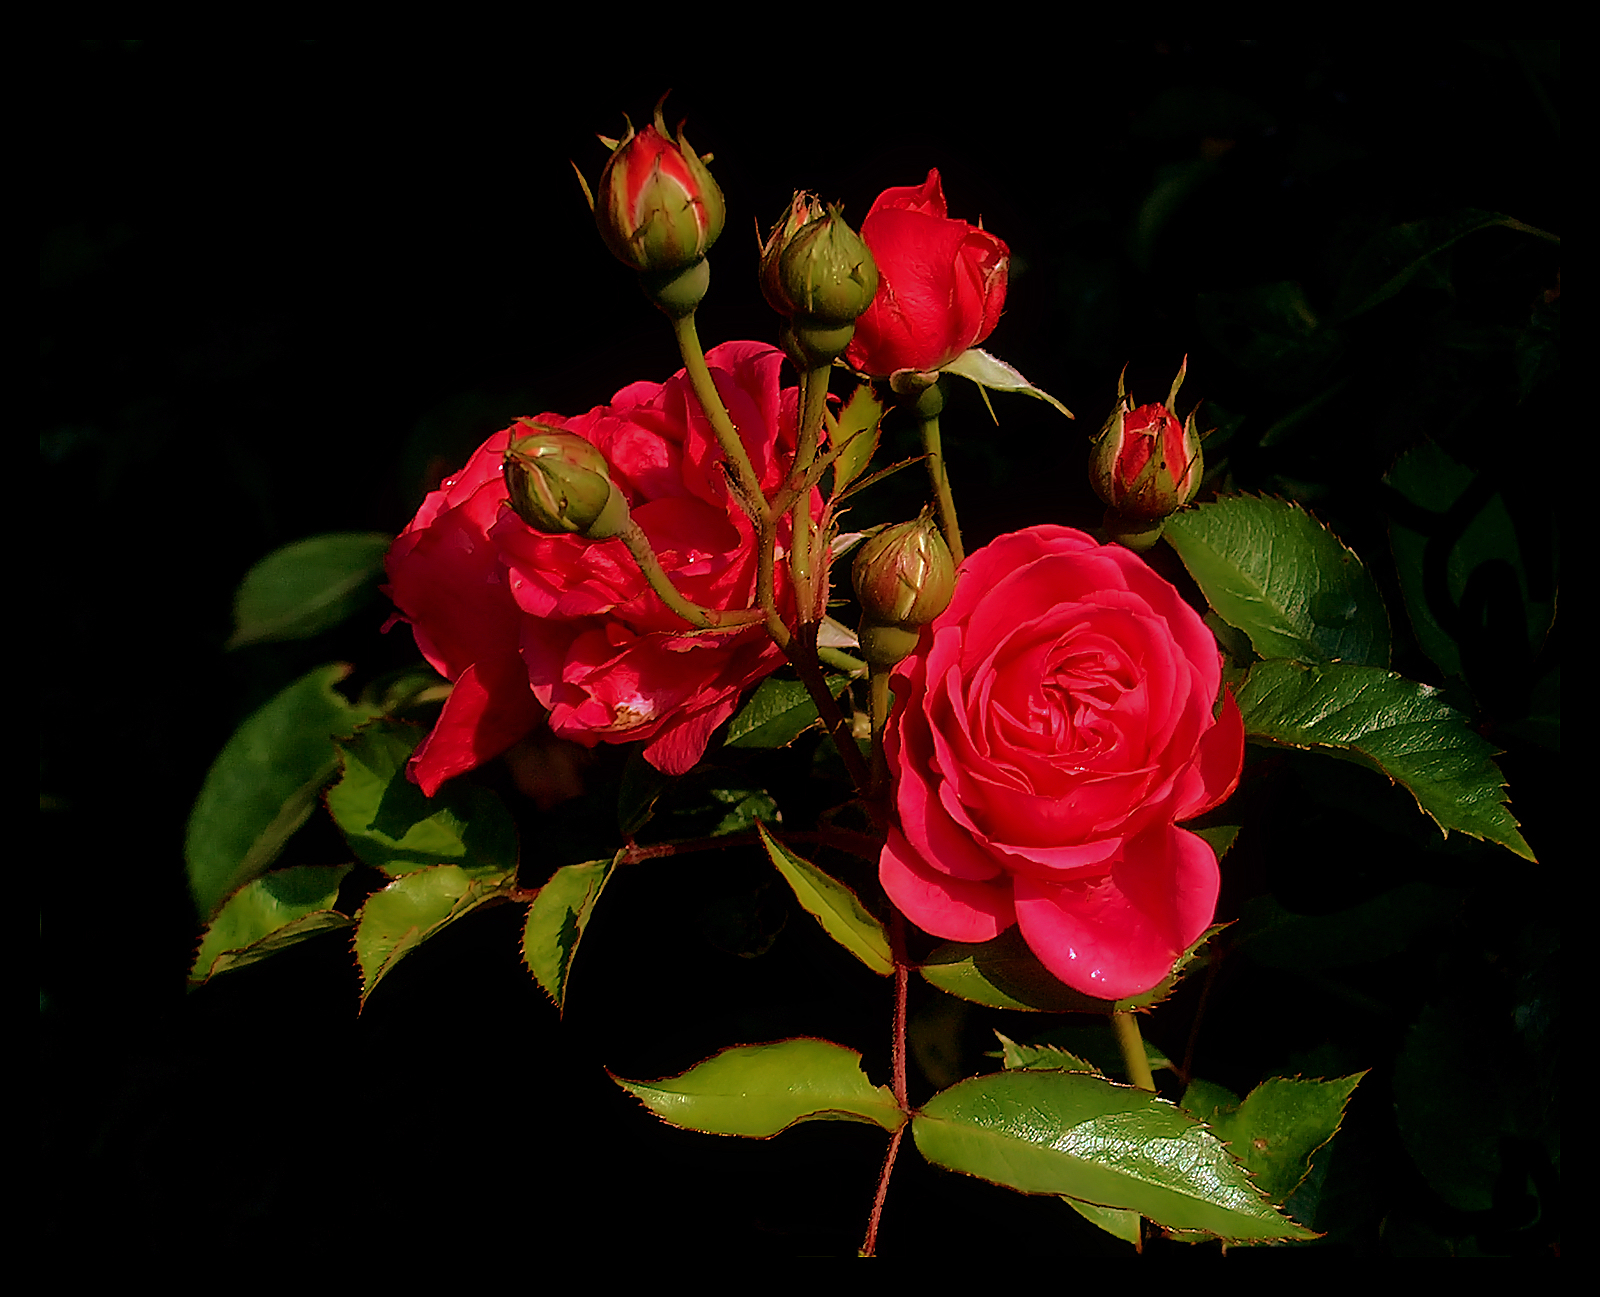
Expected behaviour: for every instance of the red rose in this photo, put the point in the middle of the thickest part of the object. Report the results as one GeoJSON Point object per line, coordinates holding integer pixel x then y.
{"type": "Point", "coordinates": [526, 623]}
{"type": "Point", "coordinates": [941, 283]}
{"type": "Point", "coordinates": [1053, 727]}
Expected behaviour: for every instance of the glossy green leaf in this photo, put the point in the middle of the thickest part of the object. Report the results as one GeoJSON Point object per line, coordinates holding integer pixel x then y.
{"type": "Point", "coordinates": [556, 921]}
{"type": "Point", "coordinates": [1040, 1057]}
{"type": "Point", "coordinates": [1278, 1126]}
{"type": "Point", "coordinates": [1003, 974]}
{"type": "Point", "coordinates": [856, 435]}
{"type": "Point", "coordinates": [270, 914]}
{"type": "Point", "coordinates": [414, 907]}
{"type": "Point", "coordinates": [1404, 729]}
{"type": "Point", "coordinates": [1375, 929]}
{"type": "Point", "coordinates": [391, 825]}
{"type": "Point", "coordinates": [1116, 1221]}
{"type": "Point", "coordinates": [759, 1090]}
{"type": "Point", "coordinates": [777, 714]}
{"type": "Point", "coordinates": [1473, 577]}
{"type": "Point", "coordinates": [308, 587]}
{"type": "Point", "coordinates": [264, 784]}
{"type": "Point", "coordinates": [834, 906]}
{"type": "Point", "coordinates": [1081, 1136]}
{"type": "Point", "coordinates": [1275, 572]}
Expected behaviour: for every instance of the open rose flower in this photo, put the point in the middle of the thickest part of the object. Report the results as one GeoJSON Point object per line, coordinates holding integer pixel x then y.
{"type": "Point", "coordinates": [1053, 728]}
{"type": "Point", "coordinates": [941, 283]}
{"type": "Point", "coordinates": [527, 624]}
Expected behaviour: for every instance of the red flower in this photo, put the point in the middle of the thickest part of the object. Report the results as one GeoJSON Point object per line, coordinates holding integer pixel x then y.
{"type": "Point", "coordinates": [942, 283]}
{"type": "Point", "coordinates": [526, 623]}
{"type": "Point", "coordinates": [1054, 727]}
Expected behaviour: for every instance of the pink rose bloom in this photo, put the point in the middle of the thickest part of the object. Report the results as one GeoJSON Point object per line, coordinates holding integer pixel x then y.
{"type": "Point", "coordinates": [941, 283]}
{"type": "Point", "coordinates": [1053, 728]}
{"type": "Point", "coordinates": [528, 625]}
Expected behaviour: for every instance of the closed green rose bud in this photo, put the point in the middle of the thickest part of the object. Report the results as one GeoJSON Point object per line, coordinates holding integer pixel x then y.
{"type": "Point", "coordinates": [803, 209]}
{"type": "Point", "coordinates": [559, 484]}
{"type": "Point", "coordinates": [827, 272]}
{"type": "Point", "coordinates": [904, 577]}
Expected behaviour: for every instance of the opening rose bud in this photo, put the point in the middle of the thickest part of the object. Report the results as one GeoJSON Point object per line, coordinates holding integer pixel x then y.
{"type": "Point", "coordinates": [1145, 464]}
{"type": "Point", "coordinates": [559, 484]}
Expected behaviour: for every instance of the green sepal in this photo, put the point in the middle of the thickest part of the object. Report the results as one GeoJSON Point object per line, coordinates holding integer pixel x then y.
{"type": "Point", "coordinates": [264, 784]}
{"type": "Point", "coordinates": [778, 713]}
{"type": "Point", "coordinates": [416, 906]}
{"type": "Point", "coordinates": [1081, 1136]}
{"type": "Point", "coordinates": [993, 374]}
{"type": "Point", "coordinates": [834, 906]}
{"type": "Point", "coordinates": [391, 825]}
{"type": "Point", "coordinates": [556, 922]}
{"type": "Point", "coordinates": [308, 587]}
{"type": "Point", "coordinates": [1403, 729]}
{"type": "Point", "coordinates": [1275, 572]}
{"type": "Point", "coordinates": [758, 1091]}
{"type": "Point", "coordinates": [269, 914]}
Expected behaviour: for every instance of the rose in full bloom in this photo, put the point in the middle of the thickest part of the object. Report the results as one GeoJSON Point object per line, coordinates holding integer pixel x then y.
{"type": "Point", "coordinates": [1054, 727]}
{"type": "Point", "coordinates": [528, 624]}
{"type": "Point", "coordinates": [941, 283]}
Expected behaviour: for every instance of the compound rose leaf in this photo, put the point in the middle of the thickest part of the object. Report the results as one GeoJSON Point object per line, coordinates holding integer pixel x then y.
{"type": "Point", "coordinates": [759, 1090]}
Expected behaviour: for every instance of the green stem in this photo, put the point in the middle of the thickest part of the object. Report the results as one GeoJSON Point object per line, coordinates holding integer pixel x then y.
{"type": "Point", "coordinates": [705, 390]}
{"type": "Point", "coordinates": [814, 400]}
{"type": "Point", "coordinates": [656, 577]}
{"type": "Point", "coordinates": [878, 685]}
{"type": "Point", "coordinates": [1134, 1059]}
{"type": "Point", "coordinates": [928, 406]}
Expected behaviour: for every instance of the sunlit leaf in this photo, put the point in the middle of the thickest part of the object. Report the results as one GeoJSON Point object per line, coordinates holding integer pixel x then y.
{"type": "Point", "coordinates": [391, 825]}
{"type": "Point", "coordinates": [994, 374]}
{"type": "Point", "coordinates": [264, 784]}
{"type": "Point", "coordinates": [835, 907]}
{"type": "Point", "coordinates": [308, 587]}
{"type": "Point", "coordinates": [1269, 568]}
{"type": "Point", "coordinates": [1116, 1221]}
{"type": "Point", "coordinates": [1040, 1057]}
{"type": "Point", "coordinates": [556, 921]}
{"type": "Point", "coordinates": [1003, 974]}
{"type": "Point", "coordinates": [759, 1090]}
{"type": "Point", "coordinates": [414, 907]}
{"type": "Point", "coordinates": [1404, 729]}
{"type": "Point", "coordinates": [1081, 1136]}
{"type": "Point", "coordinates": [270, 914]}
{"type": "Point", "coordinates": [856, 434]}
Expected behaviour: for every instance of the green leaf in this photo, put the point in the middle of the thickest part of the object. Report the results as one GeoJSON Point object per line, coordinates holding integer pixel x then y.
{"type": "Point", "coordinates": [834, 906]}
{"type": "Point", "coordinates": [777, 714]}
{"type": "Point", "coordinates": [1279, 575]}
{"type": "Point", "coordinates": [1081, 1136]}
{"type": "Point", "coordinates": [1473, 576]}
{"type": "Point", "coordinates": [1277, 1128]}
{"type": "Point", "coordinates": [856, 436]}
{"type": "Point", "coordinates": [1003, 974]}
{"type": "Point", "coordinates": [1373, 930]}
{"type": "Point", "coordinates": [264, 784]}
{"type": "Point", "coordinates": [1040, 1057]}
{"type": "Point", "coordinates": [414, 907]}
{"type": "Point", "coordinates": [391, 825]}
{"type": "Point", "coordinates": [1116, 1221]}
{"type": "Point", "coordinates": [307, 587]}
{"type": "Point", "coordinates": [747, 807]}
{"type": "Point", "coordinates": [994, 374]}
{"type": "Point", "coordinates": [1404, 729]}
{"type": "Point", "coordinates": [759, 1090]}
{"type": "Point", "coordinates": [556, 921]}
{"type": "Point", "coordinates": [270, 914]}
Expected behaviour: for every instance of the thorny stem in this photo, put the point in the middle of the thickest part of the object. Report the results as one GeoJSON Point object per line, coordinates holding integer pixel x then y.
{"type": "Point", "coordinates": [814, 400]}
{"type": "Point", "coordinates": [705, 390]}
{"type": "Point", "coordinates": [897, 1082]}
{"type": "Point", "coordinates": [1131, 1043]}
{"type": "Point", "coordinates": [928, 406]}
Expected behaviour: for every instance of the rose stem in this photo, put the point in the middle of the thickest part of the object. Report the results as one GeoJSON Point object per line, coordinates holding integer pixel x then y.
{"type": "Point", "coordinates": [897, 1083]}
{"type": "Point", "coordinates": [841, 660]}
{"type": "Point", "coordinates": [1133, 1056]}
{"type": "Point", "coordinates": [814, 400]}
{"type": "Point", "coordinates": [878, 686]}
{"type": "Point", "coordinates": [928, 406]}
{"type": "Point", "coordinates": [706, 618]}
{"type": "Point", "coordinates": [705, 390]}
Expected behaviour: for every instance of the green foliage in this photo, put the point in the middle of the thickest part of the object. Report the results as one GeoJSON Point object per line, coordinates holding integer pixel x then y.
{"type": "Point", "coordinates": [759, 1090]}
{"type": "Point", "coordinates": [1080, 1136]}
{"type": "Point", "coordinates": [1040, 1057]}
{"type": "Point", "coordinates": [264, 784]}
{"type": "Point", "coordinates": [556, 921]}
{"type": "Point", "coordinates": [416, 906]}
{"type": "Point", "coordinates": [392, 826]}
{"type": "Point", "coordinates": [1003, 974]}
{"type": "Point", "coordinates": [269, 914]}
{"type": "Point", "coordinates": [778, 713]}
{"type": "Point", "coordinates": [834, 906]}
{"type": "Point", "coordinates": [1402, 728]}
{"type": "Point", "coordinates": [1270, 569]}
{"type": "Point", "coordinates": [308, 587]}
{"type": "Point", "coordinates": [856, 436]}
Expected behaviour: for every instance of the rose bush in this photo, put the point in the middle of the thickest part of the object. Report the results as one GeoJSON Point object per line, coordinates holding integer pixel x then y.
{"type": "Point", "coordinates": [1054, 726]}
{"type": "Point", "coordinates": [942, 283]}
{"type": "Point", "coordinates": [527, 624]}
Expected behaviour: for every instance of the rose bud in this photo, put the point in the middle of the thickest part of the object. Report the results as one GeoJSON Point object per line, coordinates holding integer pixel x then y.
{"type": "Point", "coordinates": [561, 484]}
{"type": "Point", "coordinates": [658, 208]}
{"type": "Point", "coordinates": [904, 577]}
{"type": "Point", "coordinates": [803, 209]}
{"type": "Point", "coordinates": [1145, 465]}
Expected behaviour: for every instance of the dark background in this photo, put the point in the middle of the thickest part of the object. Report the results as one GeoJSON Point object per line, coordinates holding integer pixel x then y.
{"type": "Point", "coordinates": [287, 286]}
